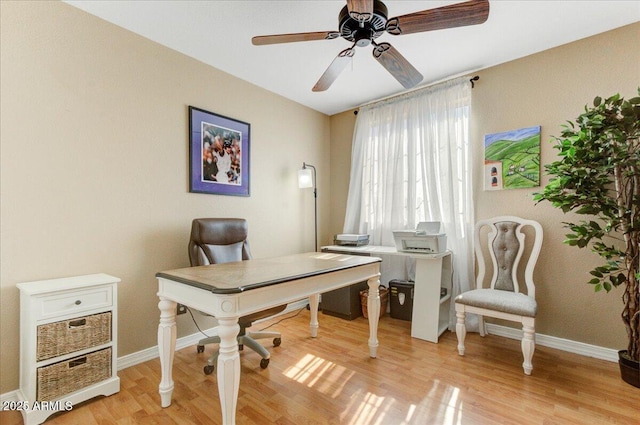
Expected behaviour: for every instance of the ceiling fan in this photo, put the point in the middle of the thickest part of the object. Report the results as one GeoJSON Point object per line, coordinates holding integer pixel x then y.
{"type": "Point", "coordinates": [363, 21]}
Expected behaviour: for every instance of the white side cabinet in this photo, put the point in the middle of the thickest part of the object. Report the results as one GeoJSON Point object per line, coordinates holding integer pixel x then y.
{"type": "Point", "coordinates": [68, 343]}
{"type": "Point", "coordinates": [432, 295]}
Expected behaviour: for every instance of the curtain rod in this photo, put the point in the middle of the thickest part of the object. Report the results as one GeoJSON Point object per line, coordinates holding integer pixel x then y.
{"type": "Point", "coordinates": [471, 80]}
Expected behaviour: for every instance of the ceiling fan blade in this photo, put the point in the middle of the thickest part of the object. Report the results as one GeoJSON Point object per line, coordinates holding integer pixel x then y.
{"type": "Point", "coordinates": [360, 10]}
{"type": "Point", "coordinates": [456, 15]}
{"type": "Point", "coordinates": [336, 67]}
{"type": "Point", "coordinates": [262, 40]}
{"type": "Point", "coordinates": [397, 65]}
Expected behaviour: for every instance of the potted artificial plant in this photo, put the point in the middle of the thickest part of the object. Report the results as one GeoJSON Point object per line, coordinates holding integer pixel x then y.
{"type": "Point", "coordinates": [598, 175]}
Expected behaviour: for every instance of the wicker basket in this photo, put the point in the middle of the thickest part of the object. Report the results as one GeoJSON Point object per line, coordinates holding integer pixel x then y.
{"type": "Point", "coordinates": [384, 300]}
{"type": "Point", "coordinates": [59, 379]}
{"type": "Point", "coordinates": [59, 338]}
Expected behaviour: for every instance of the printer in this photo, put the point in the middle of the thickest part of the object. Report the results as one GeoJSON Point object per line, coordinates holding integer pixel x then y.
{"type": "Point", "coordinates": [427, 238]}
{"type": "Point", "coordinates": [351, 239]}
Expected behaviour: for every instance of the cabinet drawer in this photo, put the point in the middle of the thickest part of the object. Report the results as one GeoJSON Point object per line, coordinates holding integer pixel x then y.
{"type": "Point", "coordinates": [59, 379]}
{"type": "Point", "coordinates": [60, 338]}
{"type": "Point", "coordinates": [78, 301]}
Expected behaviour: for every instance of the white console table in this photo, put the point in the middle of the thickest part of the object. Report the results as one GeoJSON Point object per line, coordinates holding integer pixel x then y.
{"type": "Point", "coordinates": [430, 317]}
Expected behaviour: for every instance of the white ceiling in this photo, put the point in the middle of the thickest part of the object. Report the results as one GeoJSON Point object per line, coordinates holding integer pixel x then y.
{"type": "Point", "coordinates": [219, 33]}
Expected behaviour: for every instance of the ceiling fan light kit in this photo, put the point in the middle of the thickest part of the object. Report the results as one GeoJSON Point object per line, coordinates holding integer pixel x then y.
{"type": "Point", "coordinates": [361, 22]}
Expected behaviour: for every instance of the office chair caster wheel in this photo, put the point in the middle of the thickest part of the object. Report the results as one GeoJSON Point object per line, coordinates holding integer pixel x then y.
{"type": "Point", "coordinates": [264, 363]}
{"type": "Point", "coordinates": [208, 370]}
{"type": "Point", "coordinates": [200, 349]}
{"type": "Point", "coordinates": [277, 342]}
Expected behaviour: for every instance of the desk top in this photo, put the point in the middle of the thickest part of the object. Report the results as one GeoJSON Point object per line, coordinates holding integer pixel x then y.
{"type": "Point", "coordinates": [380, 250]}
{"type": "Point", "coordinates": [240, 276]}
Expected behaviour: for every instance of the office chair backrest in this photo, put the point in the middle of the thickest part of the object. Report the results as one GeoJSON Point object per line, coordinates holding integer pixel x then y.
{"type": "Point", "coordinates": [218, 240]}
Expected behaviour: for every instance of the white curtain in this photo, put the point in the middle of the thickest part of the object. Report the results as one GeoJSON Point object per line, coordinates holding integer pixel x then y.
{"type": "Point", "coordinates": [411, 162]}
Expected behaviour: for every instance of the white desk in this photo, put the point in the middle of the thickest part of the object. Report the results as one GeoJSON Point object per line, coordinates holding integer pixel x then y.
{"type": "Point", "coordinates": [230, 290]}
{"type": "Point", "coordinates": [430, 317]}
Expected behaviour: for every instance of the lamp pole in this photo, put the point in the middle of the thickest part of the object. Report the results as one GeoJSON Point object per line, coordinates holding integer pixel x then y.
{"type": "Point", "coordinates": [315, 200]}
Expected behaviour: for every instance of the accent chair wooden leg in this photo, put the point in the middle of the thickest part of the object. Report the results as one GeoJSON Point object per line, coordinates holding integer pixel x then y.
{"type": "Point", "coordinates": [528, 344]}
{"type": "Point", "coordinates": [461, 328]}
{"type": "Point", "coordinates": [482, 327]}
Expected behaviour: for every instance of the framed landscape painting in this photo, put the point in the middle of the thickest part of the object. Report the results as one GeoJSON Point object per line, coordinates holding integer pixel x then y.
{"type": "Point", "coordinates": [512, 159]}
{"type": "Point", "coordinates": [218, 154]}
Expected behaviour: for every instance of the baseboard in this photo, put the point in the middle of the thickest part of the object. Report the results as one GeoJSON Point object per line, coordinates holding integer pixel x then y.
{"type": "Point", "coordinates": [498, 330]}
{"type": "Point", "coordinates": [10, 396]}
{"type": "Point", "coordinates": [570, 346]}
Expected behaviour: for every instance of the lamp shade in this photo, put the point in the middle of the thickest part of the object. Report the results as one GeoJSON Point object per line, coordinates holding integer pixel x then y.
{"type": "Point", "coordinates": [305, 178]}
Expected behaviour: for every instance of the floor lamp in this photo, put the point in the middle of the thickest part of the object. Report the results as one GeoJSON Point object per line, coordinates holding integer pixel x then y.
{"type": "Point", "coordinates": [306, 179]}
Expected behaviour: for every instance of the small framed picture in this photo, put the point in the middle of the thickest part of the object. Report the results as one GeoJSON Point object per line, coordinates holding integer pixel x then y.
{"type": "Point", "coordinates": [512, 159]}
{"type": "Point", "coordinates": [218, 154]}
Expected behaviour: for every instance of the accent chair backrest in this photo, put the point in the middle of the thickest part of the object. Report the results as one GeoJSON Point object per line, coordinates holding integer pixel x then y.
{"type": "Point", "coordinates": [218, 240]}
{"type": "Point", "coordinates": [506, 246]}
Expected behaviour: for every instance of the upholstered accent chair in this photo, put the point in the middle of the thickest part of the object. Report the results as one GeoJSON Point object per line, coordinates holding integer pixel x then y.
{"type": "Point", "coordinates": [223, 240]}
{"type": "Point", "coordinates": [503, 299]}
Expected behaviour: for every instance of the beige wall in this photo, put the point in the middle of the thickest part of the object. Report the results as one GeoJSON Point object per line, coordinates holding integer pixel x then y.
{"type": "Point", "coordinates": [544, 89]}
{"type": "Point", "coordinates": [548, 89]}
{"type": "Point", "coordinates": [94, 151]}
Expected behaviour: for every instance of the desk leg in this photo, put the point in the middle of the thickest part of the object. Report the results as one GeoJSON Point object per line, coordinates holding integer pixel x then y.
{"type": "Point", "coordinates": [167, 348]}
{"type": "Point", "coordinates": [314, 301]}
{"type": "Point", "coordinates": [228, 368]}
{"type": "Point", "coordinates": [373, 311]}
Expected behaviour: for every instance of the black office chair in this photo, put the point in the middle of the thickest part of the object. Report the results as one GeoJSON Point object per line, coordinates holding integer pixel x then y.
{"type": "Point", "coordinates": [223, 240]}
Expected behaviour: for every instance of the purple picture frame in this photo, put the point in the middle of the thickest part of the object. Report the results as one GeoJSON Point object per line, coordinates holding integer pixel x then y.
{"type": "Point", "coordinates": [218, 154]}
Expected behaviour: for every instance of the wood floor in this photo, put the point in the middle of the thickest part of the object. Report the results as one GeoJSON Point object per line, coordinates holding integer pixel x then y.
{"type": "Point", "coordinates": [332, 380]}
